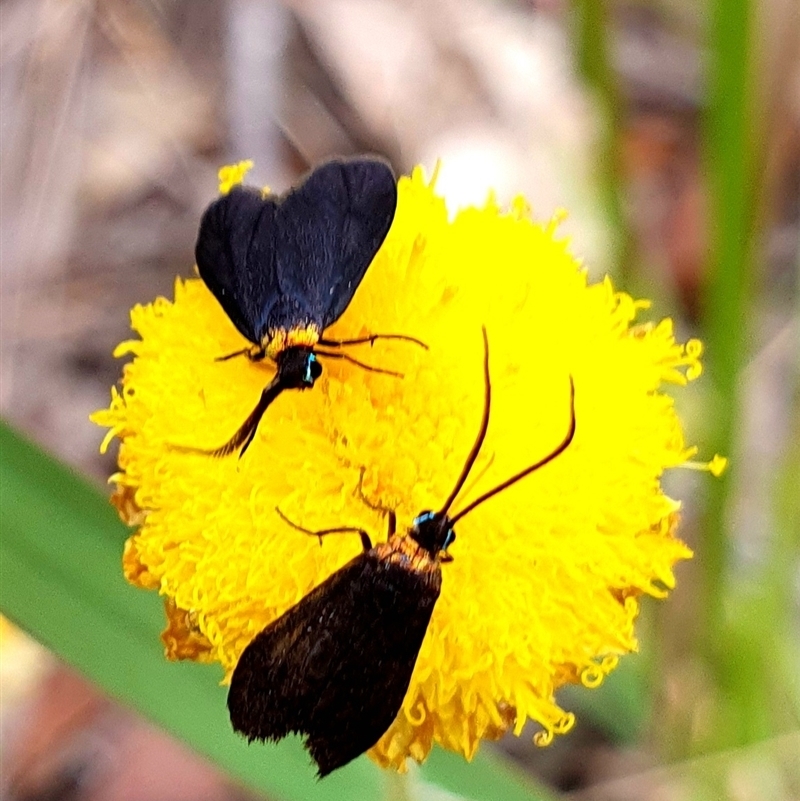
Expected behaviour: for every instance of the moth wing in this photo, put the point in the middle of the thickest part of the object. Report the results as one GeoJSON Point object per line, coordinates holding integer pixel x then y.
{"type": "Point", "coordinates": [336, 666]}
{"type": "Point", "coordinates": [370, 677]}
{"type": "Point", "coordinates": [328, 231]}
{"type": "Point", "coordinates": [235, 255]}
{"type": "Point", "coordinates": [272, 684]}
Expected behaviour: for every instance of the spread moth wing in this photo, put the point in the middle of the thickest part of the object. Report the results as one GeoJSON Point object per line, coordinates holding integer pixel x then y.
{"type": "Point", "coordinates": [235, 255]}
{"type": "Point", "coordinates": [336, 667]}
{"type": "Point", "coordinates": [328, 231]}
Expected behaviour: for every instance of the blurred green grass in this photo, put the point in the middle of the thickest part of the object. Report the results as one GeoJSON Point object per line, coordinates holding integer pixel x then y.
{"type": "Point", "coordinates": [744, 634]}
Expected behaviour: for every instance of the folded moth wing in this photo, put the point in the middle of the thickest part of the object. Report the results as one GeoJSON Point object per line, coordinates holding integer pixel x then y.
{"type": "Point", "coordinates": [335, 668]}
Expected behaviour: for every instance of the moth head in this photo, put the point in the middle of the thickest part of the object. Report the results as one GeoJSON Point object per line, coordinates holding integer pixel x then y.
{"type": "Point", "coordinates": [298, 367]}
{"type": "Point", "coordinates": [433, 532]}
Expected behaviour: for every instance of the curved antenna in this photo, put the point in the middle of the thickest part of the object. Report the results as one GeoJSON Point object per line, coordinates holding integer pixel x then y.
{"type": "Point", "coordinates": [541, 463]}
{"type": "Point", "coordinates": [473, 454]}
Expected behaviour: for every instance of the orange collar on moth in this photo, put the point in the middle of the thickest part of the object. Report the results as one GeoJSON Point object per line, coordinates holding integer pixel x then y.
{"type": "Point", "coordinates": [403, 550]}
{"type": "Point", "coordinates": [279, 340]}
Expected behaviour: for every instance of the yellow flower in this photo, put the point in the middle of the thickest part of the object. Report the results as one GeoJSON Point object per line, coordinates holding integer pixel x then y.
{"type": "Point", "coordinates": [545, 584]}
{"type": "Point", "coordinates": [233, 174]}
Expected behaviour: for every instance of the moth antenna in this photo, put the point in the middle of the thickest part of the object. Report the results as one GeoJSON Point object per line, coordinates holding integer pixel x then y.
{"type": "Point", "coordinates": [476, 479]}
{"type": "Point", "coordinates": [473, 454]}
{"type": "Point", "coordinates": [528, 470]}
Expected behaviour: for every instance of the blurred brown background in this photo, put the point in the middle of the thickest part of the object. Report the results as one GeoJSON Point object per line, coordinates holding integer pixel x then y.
{"type": "Point", "coordinates": [115, 116]}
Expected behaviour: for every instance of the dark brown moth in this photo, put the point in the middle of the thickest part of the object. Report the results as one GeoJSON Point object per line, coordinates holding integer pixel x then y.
{"type": "Point", "coordinates": [336, 667]}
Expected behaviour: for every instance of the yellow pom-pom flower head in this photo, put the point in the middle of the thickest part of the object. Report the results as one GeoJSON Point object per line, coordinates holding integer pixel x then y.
{"type": "Point", "coordinates": [285, 268]}
{"type": "Point", "coordinates": [336, 667]}
{"type": "Point", "coordinates": [547, 578]}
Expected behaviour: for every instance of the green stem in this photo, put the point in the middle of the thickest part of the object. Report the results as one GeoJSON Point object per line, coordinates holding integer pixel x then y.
{"type": "Point", "coordinates": [730, 156]}
{"type": "Point", "coordinates": [594, 63]}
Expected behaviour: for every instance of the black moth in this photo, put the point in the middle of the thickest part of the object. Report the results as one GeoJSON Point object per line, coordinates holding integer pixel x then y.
{"type": "Point", "coordinates": [284, 268]}
{"type": "Point", "coordinates": [336, 667]}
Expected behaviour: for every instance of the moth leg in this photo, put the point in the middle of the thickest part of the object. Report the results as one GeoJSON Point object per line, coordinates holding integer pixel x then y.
{"type": "Point", "coordinates": [366, 543]}
{"type": "Point", "coordinates": [356, 362]}
{"type": "Point", "coordinates": [390, 513]}
{"type": "Point", "coordinates": [338, 343]}
{"type": "Point", "coordinates": [254, 352]}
